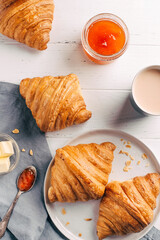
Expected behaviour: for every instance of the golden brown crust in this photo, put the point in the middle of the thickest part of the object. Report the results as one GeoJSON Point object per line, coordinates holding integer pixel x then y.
{"type": "Point", "coordinates": [128, 206]}
{"type": "Point", "coordinates": [55, 102]}
{"type": "Point", "coordinates": [81, 172]}
{"type": "Point", "coordinates": [27, 21]}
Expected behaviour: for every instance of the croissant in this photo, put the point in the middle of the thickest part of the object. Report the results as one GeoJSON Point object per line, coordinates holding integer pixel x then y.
{"type": "Point", "coordinates": [81, 172]}
{"type": "Point", "coordinates": [55, 102]}
{"type": "Point", "coordinates": [27, 21]}
{"type": "Point", "coordinates": [128, 206]}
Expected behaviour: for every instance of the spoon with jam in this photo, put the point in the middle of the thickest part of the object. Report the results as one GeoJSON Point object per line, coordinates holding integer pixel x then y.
{"type": "Point", "coordinates": [25, 182]}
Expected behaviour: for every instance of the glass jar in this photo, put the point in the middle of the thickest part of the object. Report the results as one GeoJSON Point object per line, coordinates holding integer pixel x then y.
{"type": "Point", "coordinates": [93, 55]}
{"type": "Point", "coordinates": [14, 159]}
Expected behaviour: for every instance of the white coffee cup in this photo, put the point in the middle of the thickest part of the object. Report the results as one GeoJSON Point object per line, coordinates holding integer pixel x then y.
{"type": "Point", "coordinates": [145, 95]}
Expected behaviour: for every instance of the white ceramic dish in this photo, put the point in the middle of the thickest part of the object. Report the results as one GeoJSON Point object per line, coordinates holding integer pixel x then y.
{"type": "Point", "coordinates": [77, 212]}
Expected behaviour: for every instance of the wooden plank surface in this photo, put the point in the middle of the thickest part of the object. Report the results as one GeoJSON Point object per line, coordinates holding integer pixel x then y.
{"type": "Point", "coordinates": [62, 59]}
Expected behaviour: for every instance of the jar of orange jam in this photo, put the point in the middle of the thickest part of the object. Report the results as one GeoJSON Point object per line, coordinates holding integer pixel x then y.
{"type": "Point", "coordinates": [104, 38]}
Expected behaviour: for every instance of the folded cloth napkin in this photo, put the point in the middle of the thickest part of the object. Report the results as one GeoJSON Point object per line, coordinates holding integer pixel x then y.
{"type": "Point", "coordinates": [29, 219]}
{"type": "Point", "coordinates": [29, 216]}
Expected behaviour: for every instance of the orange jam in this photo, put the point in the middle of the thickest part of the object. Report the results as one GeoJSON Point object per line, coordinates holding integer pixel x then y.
{"type": "Point", "coordinates": [106, 37]}
{"type": "Point", "coordinates": [26, 180]}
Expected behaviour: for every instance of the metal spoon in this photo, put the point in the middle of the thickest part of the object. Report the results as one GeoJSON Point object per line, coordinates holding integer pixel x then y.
{"type": "Point", "coordinates": [5, 220]}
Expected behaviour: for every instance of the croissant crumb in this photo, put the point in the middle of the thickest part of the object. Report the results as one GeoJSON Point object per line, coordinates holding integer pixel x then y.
{"type": "Point", "coordinates": [88, 219]}
{"type": "Point", "coordinates": [31, 152]}
{"type": "Point", "coordinates": [63, 211]}
{"type": "Point", "coordinates": [15, 131]}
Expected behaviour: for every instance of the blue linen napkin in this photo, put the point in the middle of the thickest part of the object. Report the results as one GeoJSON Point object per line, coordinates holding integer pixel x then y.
{"type": "Point", "coordinates": [29, 220]}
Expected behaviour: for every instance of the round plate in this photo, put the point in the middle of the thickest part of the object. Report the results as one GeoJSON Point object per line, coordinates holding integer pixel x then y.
{"type": "Point", "coordinates": [73, 223]}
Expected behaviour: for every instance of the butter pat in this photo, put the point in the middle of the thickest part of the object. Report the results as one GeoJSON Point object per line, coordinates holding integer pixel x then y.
{"type": "Point", "coordinates": [6, 149]}
{"type": "Point", "coordinates": [4, 164]}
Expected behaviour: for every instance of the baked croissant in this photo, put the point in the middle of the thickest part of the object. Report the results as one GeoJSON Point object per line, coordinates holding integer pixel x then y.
{"type": "Point", "coordinates": [81, 172]}
{"type": "Point", "coordinates": [128, 206]}
{"type": "Point", "coordinates": [55, 102]}
{"type": "Point", "coordinates": [27, 21]}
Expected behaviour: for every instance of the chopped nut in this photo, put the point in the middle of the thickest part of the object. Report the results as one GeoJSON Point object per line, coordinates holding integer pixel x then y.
{"type": "Point", "coordinates": [144, 156]}
{"type": "Point", "coordinates": [132, 158]}
{"type": "Point", "coordinates": [123, 152]}
{"type": "Point", "coordinates": [67, 223]}
{"type": "Point", "coordinates": [15, 131]}
{"type": "Point", "coordinates": [125, 169]}
{"type": "Point", "coordinates": [138, 162]}
{"type": "Point", "coordinates": [63, 211]}
{"type": "Point", "coordinates": [124, 142]}
{"type": "Point", "coordinates": [147, 165]}
{"type": "Point", "coordinates": [80, 234]}
{"type": "Point", "coordinates": [128, 146]}
{"type": "Point", "coordinates": [127, 154]}
{"type": "Point", "coordinates": [23, 150]}
{"type": "Point", "coordinates": [121, 139]}
{"type": "Point", "coordinates": [31, 152]}
{"type": "Point", "coordinates": [128, 142]}
{"type": "Point", "coordinates": [88, 219]}
{"type": "Point", "coordinates": [128, 162]}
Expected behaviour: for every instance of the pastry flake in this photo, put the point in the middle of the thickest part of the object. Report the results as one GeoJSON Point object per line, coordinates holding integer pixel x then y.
{"type": "Point", "coordinates": [31, 152]}
{"type": "Point", "coordinates": [144, 156]}
{"type": "Point", "coordinates": [88, 219]}
{"type": "Point", "coordinates": [15, 131]}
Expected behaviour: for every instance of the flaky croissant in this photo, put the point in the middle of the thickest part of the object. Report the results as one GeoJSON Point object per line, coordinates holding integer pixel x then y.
{"type": "Point", "coordinates": [81, 172]}
{"type": "Point", "coordinates": [55, 102]}
{"type": "Point", "coordinates": [128, 206]}
{"type": "Point", "coordinates": [27, 21]}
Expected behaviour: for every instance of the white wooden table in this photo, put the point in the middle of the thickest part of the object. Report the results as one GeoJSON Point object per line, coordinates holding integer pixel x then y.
{"type": "Point", "coordinates": [105, 88]}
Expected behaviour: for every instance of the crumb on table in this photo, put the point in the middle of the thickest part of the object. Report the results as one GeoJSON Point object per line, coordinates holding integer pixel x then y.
{"type": "Point", "coordinates": [23, 150]}
{"type": "Point", "coordinates": [128, 146]}
{"type": "Point", "coordinates": [88, 219]}
{"type": "Point", "coordinates": [31, 152]}
{"type": "Point", "coordinates": [63, 211]}
{"type": "Point", "coordinates": [138, 162]}
{"type": "Point", "coordinates": [128, 162]}
{"type": "Point", "coordinates": [15, 131]}
{"type": "Point", "coordinates": [125, 169]}
{"type": "Point", "coordinates": [67, 223]}
{"type": "Point", "coordinates": [131, 157]}
{"type": "Point", "coordinates": [144, 156]}
{"type": "Point", "coordinates": [80, 234]}
{"type": "Point", "coordinates": [123, 152]}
